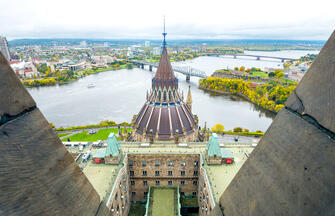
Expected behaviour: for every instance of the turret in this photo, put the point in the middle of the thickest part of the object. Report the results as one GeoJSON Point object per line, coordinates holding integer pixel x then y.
{"type": "Point", "coordinates": [189, 99]}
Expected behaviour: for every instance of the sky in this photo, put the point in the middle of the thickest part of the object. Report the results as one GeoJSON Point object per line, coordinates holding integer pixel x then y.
{"type": "Point", "coordinates": [185, 19]}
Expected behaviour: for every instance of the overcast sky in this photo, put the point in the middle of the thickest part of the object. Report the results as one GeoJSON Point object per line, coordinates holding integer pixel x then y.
{"type": "Point", "coordinates": [206, 19]}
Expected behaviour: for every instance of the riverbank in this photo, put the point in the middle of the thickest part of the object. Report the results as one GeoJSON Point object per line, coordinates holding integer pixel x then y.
{"type": "Point", "coordinates": [70, 76]}
{"type": "Point", "coordinates": [270, 96]}
{"type": "Point", "coordinates": [102, 124]}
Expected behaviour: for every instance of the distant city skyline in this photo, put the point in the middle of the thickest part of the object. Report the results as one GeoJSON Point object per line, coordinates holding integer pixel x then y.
{"type": "Point", "coordinates": [213, 19]}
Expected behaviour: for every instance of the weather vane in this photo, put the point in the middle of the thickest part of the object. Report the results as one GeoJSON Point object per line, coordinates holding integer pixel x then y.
{"type": "Point", "coordinates": [164, 34]}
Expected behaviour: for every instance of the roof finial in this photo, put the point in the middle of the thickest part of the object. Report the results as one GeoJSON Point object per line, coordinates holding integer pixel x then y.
{"type": "Point", "coordinates": [164, 35]}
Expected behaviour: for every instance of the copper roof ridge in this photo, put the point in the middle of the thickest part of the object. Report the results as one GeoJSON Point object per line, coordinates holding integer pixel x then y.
{"type": "Point", "coordinates": [187, 117]}
{"type": "Point", "coordinates": [170, 120]}
{"type": "Point", "coordinates": [159, 119]}
{"type": "Point", "coordinates": [181, 122]}
{"type": "Point", "coordinates": [146, 126]}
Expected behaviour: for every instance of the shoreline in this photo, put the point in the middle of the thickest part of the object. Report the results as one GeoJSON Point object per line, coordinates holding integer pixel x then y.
{"type": "Point", "coordinates": [239, 95]}
{"type": "Point", "coordinates": [69, 81]}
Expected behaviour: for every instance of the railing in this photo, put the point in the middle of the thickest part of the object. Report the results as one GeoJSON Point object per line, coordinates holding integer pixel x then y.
{"type": "Point", "coordinates": [186, 70]}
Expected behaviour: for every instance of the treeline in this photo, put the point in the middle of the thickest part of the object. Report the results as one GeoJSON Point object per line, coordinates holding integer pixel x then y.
{"type": "Point", "coordinates": [219, 129]}
{"type": "Point", "coordinates": [40, 82]}
{"type": "Point", "coordinates": [106, 123]}
{"type": "Point", "coordinates": [271, 96]}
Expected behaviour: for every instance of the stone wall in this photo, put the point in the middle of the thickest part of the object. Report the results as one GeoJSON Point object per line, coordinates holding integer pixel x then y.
{"type": "Point", "coordinates": [292, 170]}
{"type": "Point", "coordinates": [119, 199]}
{"type": "Point", "coordinates": [205, 196]}
{"type": "Point", "coordinates": [190, 180]}
{"type": "Point", "coordinates": [38, 175]}
{"type": "Point", "coordinates": [213, 160]}
{"type": "Point", "coordinates": [112, 159]}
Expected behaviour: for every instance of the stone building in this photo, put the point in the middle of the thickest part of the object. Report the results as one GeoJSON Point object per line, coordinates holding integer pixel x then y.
{"type": "Point", "coordinates": [290, 172]}
{"type": "Point", "coordinates": [112, 154]}
{"type": "Point", "coordinates": [216, 155]}
{"type": "Point", "coordinates": [162, 170]}
{"type": "Point", "coordinates": [165, 115]}
{"type": "Point", "coordinates": [119, 200]}
{"type": "Point", "coordinates": [142, 170]}
{"type": "Point", "coordinates": [213, 151]}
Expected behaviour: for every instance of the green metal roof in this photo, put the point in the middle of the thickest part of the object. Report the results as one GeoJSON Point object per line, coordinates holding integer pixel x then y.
{"type": "Point", "coordinates": [226, 153]}
{"type": "Point", "coordinates": [213, 147]}
{"type": "Point", "coordinates": [113, 146]}
{"type": "Point", "coordinates": [100, 153]}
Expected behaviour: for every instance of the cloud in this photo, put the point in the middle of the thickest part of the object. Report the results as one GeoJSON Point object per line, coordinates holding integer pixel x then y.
{"type": "Point", "coordinates": [185, 19]}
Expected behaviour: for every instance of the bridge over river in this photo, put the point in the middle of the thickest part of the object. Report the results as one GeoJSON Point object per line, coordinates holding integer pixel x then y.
{"type": "Point", "coordinates": [186, 70]}
{"type": "Point", "coordinates": [258, 57]}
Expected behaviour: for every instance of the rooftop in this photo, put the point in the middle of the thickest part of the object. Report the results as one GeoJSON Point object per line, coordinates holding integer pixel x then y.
{"type": "Point", "coordinates": [163, 201]}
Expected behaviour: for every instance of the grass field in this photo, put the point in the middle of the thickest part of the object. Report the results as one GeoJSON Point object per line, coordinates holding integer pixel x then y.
{"type": "Point", "coordinates": [137, 209]}
{"type": "Point", "coordinates": [63, 134]}
{"type": "Point", "coordinates": [102, 134]}
{"type": "Point", "coordinates": [163, 202]}
{"type": "Point", "coordinates": [260, 74]}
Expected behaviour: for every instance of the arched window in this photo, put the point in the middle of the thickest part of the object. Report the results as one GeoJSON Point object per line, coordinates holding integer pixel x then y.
{"type": "Point", "coordinates": [164, 95]}
{"type": "Point", "coordinates": [159, 95]}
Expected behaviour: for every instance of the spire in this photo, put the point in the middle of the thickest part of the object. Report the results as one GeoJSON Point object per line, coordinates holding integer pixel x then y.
{"type": "Point", "coordinates": [164, 34]}
{"type": "Point", "coordinates": [164, 75]}
{"type": "Point", "coordinates": [189, 98]}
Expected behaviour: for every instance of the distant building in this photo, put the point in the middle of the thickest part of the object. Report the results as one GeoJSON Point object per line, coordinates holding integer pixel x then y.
{"type": "Point", "coordinates": [83, 44]}
{"type": "Point", "coordinates": [204, 47]}
{"type": "Point", "coordinates": [156, 51]}
{"type": "Point", "coordinates": [147, 43]}
{"type": "Point", "coordinates": [4, 47]}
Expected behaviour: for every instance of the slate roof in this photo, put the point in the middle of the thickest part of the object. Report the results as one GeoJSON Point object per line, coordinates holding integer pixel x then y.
{"type": "Point", "coordinates": [165, 117]}
{"type": "Point", "coordinates": [213, 147]}
{"type": "Point", "coordinates": [113, 146]}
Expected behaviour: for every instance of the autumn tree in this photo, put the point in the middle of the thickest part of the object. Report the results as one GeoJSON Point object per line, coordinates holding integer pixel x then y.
{"type": "Point", "coordinates": [218, 128]}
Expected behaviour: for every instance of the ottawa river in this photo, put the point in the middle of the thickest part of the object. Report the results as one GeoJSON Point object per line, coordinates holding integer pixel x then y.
{"type": "Point", "coordinates": [120, 94]}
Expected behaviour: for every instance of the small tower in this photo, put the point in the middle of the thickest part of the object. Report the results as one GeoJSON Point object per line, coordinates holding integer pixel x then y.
{"type": "Point", "coordinates": [189, 99]}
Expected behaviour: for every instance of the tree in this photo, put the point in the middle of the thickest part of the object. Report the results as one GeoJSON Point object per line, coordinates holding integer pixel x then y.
{"type": "Point", "coordinates": [242, 68]}
{"type": "Point", "coordinates": [235, 68]}
{"type": "Point", "coordinates": [218, 128]}
{"type": "Point", "coordinates": [237, 129]}
{"type": "Point", "coordinates": [279, 73]}
{"type": "Point", "coordinates": [51, 124]}
{"type": "Point", "coordinates": [129, 66]}
{"type": "Point", "coordinates": [272, 74]}
{"type": "Point", "coordinates": [245, 130]}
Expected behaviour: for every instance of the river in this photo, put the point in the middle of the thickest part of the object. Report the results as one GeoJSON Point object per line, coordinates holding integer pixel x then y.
{"type": "Point", "coordinates": [120, 94]}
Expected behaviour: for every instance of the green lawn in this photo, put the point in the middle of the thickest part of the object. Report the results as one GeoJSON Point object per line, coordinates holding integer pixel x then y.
{"type": "Point", "coordinates": [189, 201]}
{"type": "Point", "coordinates": [102, 134]}
{"type": "Point", "coordinates": [287, 80]}
{"type": "Point", "coordinates": [137, 209]}
{"type": "Point", "coordinates": [63, 134]}
{"type": "Point", "coordinates": [260, 74]}
{"type": "Point", "coordinates": [163, 202]}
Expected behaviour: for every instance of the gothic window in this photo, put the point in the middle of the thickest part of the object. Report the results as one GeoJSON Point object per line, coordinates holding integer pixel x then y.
{"type": "Point", "coordinates": [164, 95]}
